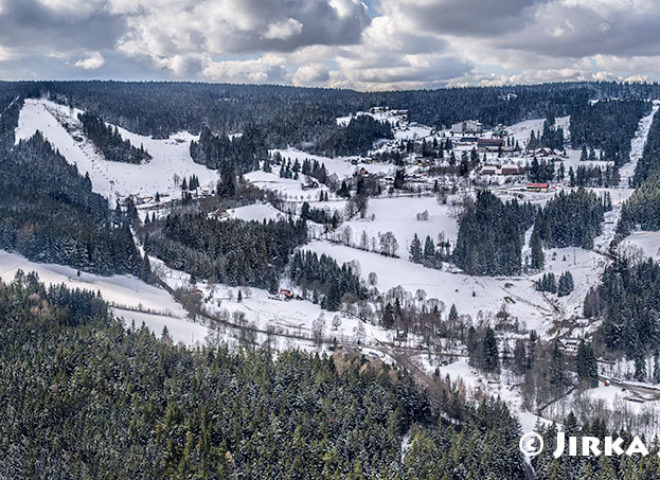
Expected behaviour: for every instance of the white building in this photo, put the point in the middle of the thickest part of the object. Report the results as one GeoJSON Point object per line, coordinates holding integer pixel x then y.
{"type": "Point", "coordinates": [468, 126]}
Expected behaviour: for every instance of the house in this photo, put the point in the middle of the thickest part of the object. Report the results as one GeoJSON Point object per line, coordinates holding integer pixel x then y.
{"type": "Point", "coordinates": [311, 184]}
{"type": "Point", "coordinates": [286, 294]}
{"type": "Point", "coordinates": [545, 152]}
{"type": "Point", "coordinates": [490, 170]}
{"type": "Point", "coordinates": [538, 187]}
{"type": "Point", "coordinates": [467, 126]}
{"type": "Point", "coordinates": [512, 169]}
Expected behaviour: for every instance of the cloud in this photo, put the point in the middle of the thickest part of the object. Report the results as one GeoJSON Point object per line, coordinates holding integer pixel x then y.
{"type": "Point", "coordinates": [58, 25]}
{"type": "Point", "coordinates": [474, 18]}
{"type": "Point", "coordinates": [283, 30]}
{"type": "Point", "coordinates": [391, 56]}
{"type": "Point", "coordinates": [266, 69]}
{"type": "Point", "coordinates": [370, 44]}
{"type": "Point", "coordinates": [92, 62]}
{"type": "Point", "coordinates": [222, 27]}
{"type": "Point", "coordinates": [312, 74]}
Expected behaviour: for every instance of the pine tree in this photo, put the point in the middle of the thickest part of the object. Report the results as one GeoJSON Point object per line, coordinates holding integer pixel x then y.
{"type": "Point", "coordinates": [416, 250]}
{"type": "Point", "coordinates": [429, 248]}
{"type": "Point", "coordinates": [586, 365]}
{"type": "Point", "coordinates": [538, 259]}
{"type": "Point", "coordinates": [489, 352]}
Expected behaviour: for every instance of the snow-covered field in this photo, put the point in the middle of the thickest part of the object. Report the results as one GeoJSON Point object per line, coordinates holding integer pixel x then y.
{"type": "Point", "coordinates": [399, 216]}
{"type": "Point", "coordinates": [287, 188]}
{"type": "Point", "coordinates": [114, 179]}
{"type": "Point", "coordinates": [257, 211]}
{"type": "Point", "coordinates": [340, 166]}
{"type": "Point", "coordinates": [646, 243]}
{"type": "Point", "coordinates": [285, 317]}
{"type": "Point", "coordinates": [470, 294]}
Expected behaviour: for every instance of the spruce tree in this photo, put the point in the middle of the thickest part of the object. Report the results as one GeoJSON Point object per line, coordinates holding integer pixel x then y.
{"type": "Point", "coordinates": [489, 352]}
{"type": "Point", "coordinates": [416, 250]}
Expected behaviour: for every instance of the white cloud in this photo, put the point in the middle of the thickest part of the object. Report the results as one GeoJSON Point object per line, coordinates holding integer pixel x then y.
{"type": "Point", "coordinates": [266, 69]}
{"type": "Point", "coordinates": [283, 30]}
{"type": "Point", "coordinates": [91, 62]}
{"type": "Point", "coordinates": [311, 74]}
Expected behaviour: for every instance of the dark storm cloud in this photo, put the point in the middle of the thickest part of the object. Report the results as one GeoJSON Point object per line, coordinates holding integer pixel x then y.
{"type": "Point", "coordinates": [474, 18]}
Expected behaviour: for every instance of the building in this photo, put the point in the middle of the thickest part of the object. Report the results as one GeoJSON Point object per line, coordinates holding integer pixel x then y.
{"type": "Point", "coordinates": [490, 143]}
{"type": "Point", "coordinates": [512, 169]}
{"type": "Point", "coordinates": [468, 126]}
{"type": "Point", "coordinates": [490, 170]}
{"type": "Point", "coordinates": [538, 187]}
{"type": "Point", "coordinates": [286, 294]}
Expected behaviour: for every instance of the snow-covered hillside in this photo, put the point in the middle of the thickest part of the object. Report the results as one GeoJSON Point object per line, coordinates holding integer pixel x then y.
{"type": "Point", "coordinates": [61, 127]}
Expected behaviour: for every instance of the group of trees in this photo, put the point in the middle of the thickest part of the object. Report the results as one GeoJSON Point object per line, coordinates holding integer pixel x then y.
{"type": "Point", "coordinates": [236, 155]}
{"type": "Point", "coordinates": [428, 255]}
{"type": "Point", "coordinates": [552, 137]}
{"type": "Point", "coordinates": [483, 352]}
{"type": "Point", "coordinates": [110, 142]}
{"type": "Point", "coordinates": [357, 137]}
{"type": "Point", "coordinates": [329, 283]}
{"type": "Point", "coordinates": [211, 413]}
{"type": "Point", "coordinates": [609, 125]}
{"type": "Point", "coordinates": [628, 301]}
{"type": "Point", "coordinates": [594, 176]}
{"type": "Point", "coordinates": [42, 196]}
{"type": "Point", "coordinates": [190, 184]}
{"type": "Point", "coordinates": [548, 283]}
{"type": "Point", "coordinates": [490, 235]}
{"type": "Point", "coordinates": [230, 251]}
{"type": "Point", "coordinates": [571, 219]}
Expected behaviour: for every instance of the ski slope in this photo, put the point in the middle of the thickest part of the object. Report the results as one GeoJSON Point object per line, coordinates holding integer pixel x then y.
{"type": "Point", "coordinates": [627, 171]}
{"type": "Point", "coordinates": [113, 180]}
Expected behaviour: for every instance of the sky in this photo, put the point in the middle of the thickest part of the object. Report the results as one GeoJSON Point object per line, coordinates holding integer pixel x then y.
{"type": "Point", "coordinates": [358, 44]}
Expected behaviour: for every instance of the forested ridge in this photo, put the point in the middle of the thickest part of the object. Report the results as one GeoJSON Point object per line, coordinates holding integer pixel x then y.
{"type": "Point", "coordinates": [42, 197]}
{"type": "Point", "coordinates": [82, 397]}
{"type": "Point", "coordinates": [228, 251]}
{"type": "Point", "coordinates": [306, 117]}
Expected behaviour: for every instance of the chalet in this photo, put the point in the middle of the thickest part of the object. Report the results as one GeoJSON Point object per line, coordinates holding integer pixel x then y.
{"type": "Point", "coordinates": [362, 172]}
{"type": "Point", "coordinates": [545, 152]}
{"type": "Point", "coordinates": [490, 170]}
{"type": "Point", "coordinates": [309, 185]}
{"type": "Point", "coordinates": [286, 294]}
{"type": "Point", "coordinates": [538, 187]}
{"type": "Point", "coordinates": [468, 126]}
{"type": "Point", "coordinates": [512, 169]}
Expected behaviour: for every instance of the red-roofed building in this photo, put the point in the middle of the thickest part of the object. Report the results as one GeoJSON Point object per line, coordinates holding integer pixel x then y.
{"type": "Point", "coordinates": [538, 187]}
